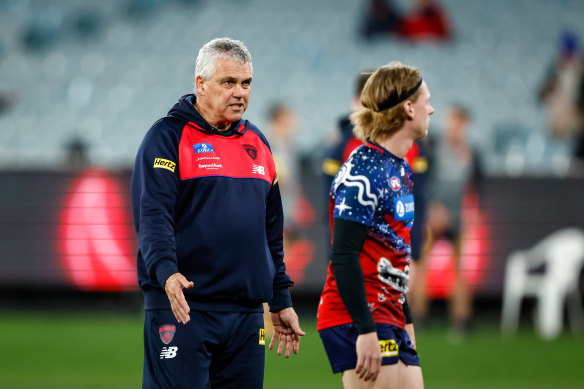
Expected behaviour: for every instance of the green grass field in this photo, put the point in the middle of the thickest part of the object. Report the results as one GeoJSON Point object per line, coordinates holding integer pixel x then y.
{"type": "Point", "coordinates": [105, 351]}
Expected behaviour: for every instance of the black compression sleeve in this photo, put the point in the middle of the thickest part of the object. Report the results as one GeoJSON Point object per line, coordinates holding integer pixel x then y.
{"type": "Point", "coordinates": [407, 312]}
{"type": "Point", "coordinates": [348, 239]}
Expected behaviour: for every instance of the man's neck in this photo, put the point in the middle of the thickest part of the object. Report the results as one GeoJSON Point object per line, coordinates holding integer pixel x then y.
{"type": "Point", "coordinates": [203, 111]}
{"type": "Point", "coordinates": [399, 143]}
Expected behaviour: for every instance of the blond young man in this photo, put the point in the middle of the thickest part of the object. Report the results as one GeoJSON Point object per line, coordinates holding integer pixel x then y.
{"type": "Point", "coordinates": [363, 318]}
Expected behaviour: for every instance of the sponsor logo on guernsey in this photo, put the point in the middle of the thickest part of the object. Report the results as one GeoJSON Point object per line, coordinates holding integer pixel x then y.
{"type": "Point", "coordinates": [403, 207]}
{"type": "Point", "coordinates": [166, 332]}
{"type": "Point", "coordinates": [210, 166]}
{"type": "Point", "coordinates": [207, 158]}
{"type": "Point", "coordinates": [395, 183]}
{"type": "Point", "coordinates": [388, 348]}
{"type": "Point", "coordinates": [251, 151]}
{"type": "Point", "coordinates": [262, 340]}
{"type": "Point", "coordinates": [258, 169]}
{"type": "Point", "coordinates": [168, 352]}
{"type": "Point", "coordinates": [392, 276]}
{"type": "Point", "coordinates": [164, 164]}
{"type": "Point", "coordinates": [203, 148]}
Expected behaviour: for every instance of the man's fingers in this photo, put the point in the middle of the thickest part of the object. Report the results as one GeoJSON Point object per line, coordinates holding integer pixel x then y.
{"type": "Point", "coordinates": [296, 328]}
{"type": "Point", "coordinates": [366, 372]}
{"type": "Point", "coordinates": [289, 345]}
{"type": "Point", "coordinates": [359, 367]}
{"type": "Point", "coordinates": [282, 344]}
{"type": "Point", "coordinates": [186, 284]}
{"type": "Point", "coordinates": [296, 339]}
{"type": "Point", "coordinates": [371, 368]}
{"type": "Point", "coordinates": [181, 313]}
{"type": "Point", "coordinates": [173, 287]}
{"type": "Point", "coordinates": [274, 340]}
{"type": "Point", "coordinates": [180, 307]}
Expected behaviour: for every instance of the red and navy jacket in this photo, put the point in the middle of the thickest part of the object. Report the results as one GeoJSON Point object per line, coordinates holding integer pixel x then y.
{"type": "Point", "coordinates": [207, 204]}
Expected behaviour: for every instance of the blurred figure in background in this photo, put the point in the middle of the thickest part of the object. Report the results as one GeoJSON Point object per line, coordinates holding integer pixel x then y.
{"type": "Point", "coordinates": [381, 18]}
{"type": "Point", "coordinates": [419, 158]}
{"type": "Point", "coordinates": [338, 152]}
{"type": "Point", "coordinates": [454, 166]}
{"type": "Point", "coordinates": [76, 155]}
{"type": "Point", "coordinates": [7, 101]}
{"type": "Point", "coordinates": [562, 91]}
{"type": "Point", "coordinates": [425, 20]}
{"type": "Point", "coordinates": [282, 128]}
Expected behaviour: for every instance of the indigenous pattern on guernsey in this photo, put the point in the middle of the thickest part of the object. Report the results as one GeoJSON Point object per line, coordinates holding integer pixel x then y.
{"type": "Point", "coordinates": [374, 188]}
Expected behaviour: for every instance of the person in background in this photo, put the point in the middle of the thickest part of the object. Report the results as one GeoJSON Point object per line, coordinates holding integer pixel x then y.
{"type": "Point", "coordinates": [562, 91]}
{"type": "Point", "coordinates": [455, 166]}
{"type": "Point", "coordinates": [208, 215]}
{"type": "Point", "coordinates": [425, 20]}
{"type": "Point", "coordinates": [282, 127]}
{"type": "Point", "coordinates": [338, 152]}
{"type": "Point", "coordinates": [418, 158]}
{"type": "Point", "coordinates": [76, 155]}
{"type": "Point", "coordinates": [363, 318]}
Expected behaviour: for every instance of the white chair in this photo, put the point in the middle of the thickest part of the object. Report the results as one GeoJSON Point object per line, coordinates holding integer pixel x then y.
{"type": "Point", "coordinates": [562, 253]}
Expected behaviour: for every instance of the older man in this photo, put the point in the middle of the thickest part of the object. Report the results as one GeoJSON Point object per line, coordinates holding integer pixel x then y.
{"type": "Point", "coordinates": [208, 214]}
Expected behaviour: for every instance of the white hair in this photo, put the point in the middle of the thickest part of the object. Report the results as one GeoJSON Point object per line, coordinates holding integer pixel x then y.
{"type": "Point", "coordinates": [219, 47]}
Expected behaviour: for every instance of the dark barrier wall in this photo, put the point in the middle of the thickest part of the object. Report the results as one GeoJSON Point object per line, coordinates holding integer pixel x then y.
{"type": "Point", "coordinates": [75, 230]}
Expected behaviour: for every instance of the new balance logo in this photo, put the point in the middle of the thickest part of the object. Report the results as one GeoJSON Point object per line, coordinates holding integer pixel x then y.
{"type": "Point", "coordinates": [168, 352]}
{"type": "Point", "coordinates": [259, 169]}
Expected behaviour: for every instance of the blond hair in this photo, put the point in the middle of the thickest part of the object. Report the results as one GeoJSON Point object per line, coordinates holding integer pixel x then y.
{"type": "Point", "coordinates": [389, 82]}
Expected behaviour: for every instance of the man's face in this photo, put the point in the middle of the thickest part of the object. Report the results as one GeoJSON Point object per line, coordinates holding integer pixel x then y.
{"type": "Point", "coordinates": [422, 111]}
{"type": "Point", "coordinates": [225, 95]}
{"type": "Point", "coordinates": [455, 126]}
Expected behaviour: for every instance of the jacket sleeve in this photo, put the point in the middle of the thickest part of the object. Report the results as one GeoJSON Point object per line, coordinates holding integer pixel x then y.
{"type": "Point", "coordinates": [155, 187]}
{"type": "Point", "coordinates": [274, 231]}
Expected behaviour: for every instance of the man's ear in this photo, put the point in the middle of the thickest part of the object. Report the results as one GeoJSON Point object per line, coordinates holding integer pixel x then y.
{"type": "Point", "coordinates": [200, 86]}
{"type": "Point", "coordinates": [409, 109]}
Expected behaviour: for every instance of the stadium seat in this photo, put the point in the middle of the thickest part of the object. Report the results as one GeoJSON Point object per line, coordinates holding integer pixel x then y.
{"type": "Point", "coordinates": [550, 272]}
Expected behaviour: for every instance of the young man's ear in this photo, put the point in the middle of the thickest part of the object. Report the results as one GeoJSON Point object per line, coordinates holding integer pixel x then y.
{"type": "Point", "coordinates": [409, 109]}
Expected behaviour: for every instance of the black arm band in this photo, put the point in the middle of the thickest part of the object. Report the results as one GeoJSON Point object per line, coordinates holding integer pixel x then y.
{"type": "Point", "coordinates": [407, 312]}
{"type": "Point", "coordinates": [348, 240]}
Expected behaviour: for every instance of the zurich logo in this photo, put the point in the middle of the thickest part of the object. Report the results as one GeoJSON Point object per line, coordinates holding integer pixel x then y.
{"type": "Point", "coordinates": [203, 148]}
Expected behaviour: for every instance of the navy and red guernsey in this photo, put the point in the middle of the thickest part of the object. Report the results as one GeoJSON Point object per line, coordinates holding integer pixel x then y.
{"type": "Point", "coordinates": [206, 204]}
{"type": "Point", "coordinates": [374, 188]}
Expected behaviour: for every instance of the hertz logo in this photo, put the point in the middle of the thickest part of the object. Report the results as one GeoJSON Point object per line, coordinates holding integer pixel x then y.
{"type": "Point", "coordinates": [388, 348]}
{"type": "Point", "coordinates": [262, 337]}
{"type": "Point", "coordinates": [164, 164]}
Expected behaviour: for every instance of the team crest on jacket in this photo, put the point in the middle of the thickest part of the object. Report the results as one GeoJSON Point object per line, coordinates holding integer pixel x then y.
{"type": "Point", "coordinates": [166, 332]}
{"type": "Point", "coordinates": [251, 151]}
{"type": "Point", "coordinates": [395, 183]}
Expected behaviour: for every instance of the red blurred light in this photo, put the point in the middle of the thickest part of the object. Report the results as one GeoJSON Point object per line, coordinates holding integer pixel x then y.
{"type": "Point", "coordinates": [95, 236]}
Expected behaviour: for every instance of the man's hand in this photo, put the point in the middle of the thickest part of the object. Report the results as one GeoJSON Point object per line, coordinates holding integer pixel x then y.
{"type": "Point", "coordinates": [287, 330]}
{"type": "Point", "coordinates": [368, 356]}
{"type": "Point", "coordinates": [174, 290]}
{"type": "Point", "coordinates": [411, 333]}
